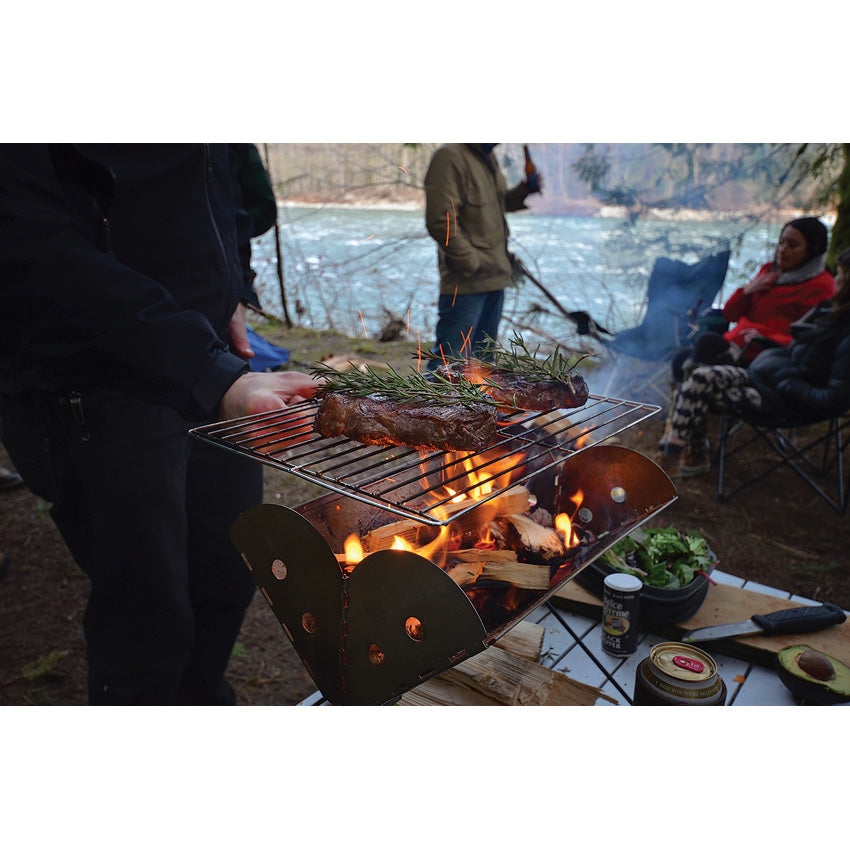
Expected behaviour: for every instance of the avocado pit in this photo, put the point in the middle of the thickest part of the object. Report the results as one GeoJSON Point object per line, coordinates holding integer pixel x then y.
{"type": "Point", "coordinates": [817, 665]}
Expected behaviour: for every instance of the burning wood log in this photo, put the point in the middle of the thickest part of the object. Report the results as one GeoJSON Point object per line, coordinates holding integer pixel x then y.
{"type": "Point", "coordinates": [498, 565]}
{"type": "Point", "coordinates": [528, 538]}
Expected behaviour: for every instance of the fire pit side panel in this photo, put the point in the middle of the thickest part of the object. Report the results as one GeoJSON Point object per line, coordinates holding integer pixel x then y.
{"type": "Point", "coordinates": [407, 621]}
{"type": "Point", "coordinates": [299, 576]}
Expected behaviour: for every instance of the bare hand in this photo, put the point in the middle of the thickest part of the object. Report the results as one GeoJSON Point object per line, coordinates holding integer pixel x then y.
{"type": "Point", "coordinates": [237, 331]}
{"type": "Point", "coordinates": [259, 392]}
{"type": "Point", "coordinates": [749, 334]}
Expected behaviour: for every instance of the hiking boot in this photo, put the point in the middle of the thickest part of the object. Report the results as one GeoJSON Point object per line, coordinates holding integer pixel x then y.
{"type": "Point", "coordinates": [684, 463]}
{"type": "Point", "coordinates": [695, 461]}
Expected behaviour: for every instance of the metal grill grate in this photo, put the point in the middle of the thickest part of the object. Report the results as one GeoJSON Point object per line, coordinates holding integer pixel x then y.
{"type": "Point", "coordinates": [419, 485]}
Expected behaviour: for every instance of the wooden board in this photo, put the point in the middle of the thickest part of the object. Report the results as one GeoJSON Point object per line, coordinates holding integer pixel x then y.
{"type": "Point", "coordinates": [726, 604]}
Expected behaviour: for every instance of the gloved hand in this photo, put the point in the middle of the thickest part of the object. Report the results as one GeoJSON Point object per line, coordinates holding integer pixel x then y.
{"type": "Point", "coordinates": [534, 183]}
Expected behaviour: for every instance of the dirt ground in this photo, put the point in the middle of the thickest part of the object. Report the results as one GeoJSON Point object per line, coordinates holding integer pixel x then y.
{"type": "Point", "coordinates": [777, 533]}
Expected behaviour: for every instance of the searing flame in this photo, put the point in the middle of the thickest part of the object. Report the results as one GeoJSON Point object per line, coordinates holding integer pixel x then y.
{"type": "Point", "coordinates": [353, 550]}
{"type": "Point", "coordinates": [401, 543]}
{"type": "Point", "coordinates": [564, 525]}
{"type": "Point", "coordinates": [486, 541]}
{"type": "Point", "coordinates": [564, 522]}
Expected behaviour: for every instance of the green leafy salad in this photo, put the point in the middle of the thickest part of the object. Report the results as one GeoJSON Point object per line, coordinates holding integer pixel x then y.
{"type": "Point", "coordinates": [661, 557]}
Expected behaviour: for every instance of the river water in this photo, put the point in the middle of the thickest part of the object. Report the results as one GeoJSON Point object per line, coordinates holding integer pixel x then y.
{"type": "Point", "coordinates": [350, 268]}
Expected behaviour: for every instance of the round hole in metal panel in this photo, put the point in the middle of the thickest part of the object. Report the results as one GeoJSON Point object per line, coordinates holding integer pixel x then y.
{"type": "Point", "coordinates": [413, 626]}
{"type": "Point", "coordinates": [376, 654]}
{"type": "Point", "coordinates": [309, 623]}
{"type": "Point", "coordinates": [618, 494]}
{"type": "Point", "coordinates": [278, 569]}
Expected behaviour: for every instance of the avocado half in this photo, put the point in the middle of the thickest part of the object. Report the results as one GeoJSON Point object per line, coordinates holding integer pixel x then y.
{"type": "Point", "coordinates": [812, 676]}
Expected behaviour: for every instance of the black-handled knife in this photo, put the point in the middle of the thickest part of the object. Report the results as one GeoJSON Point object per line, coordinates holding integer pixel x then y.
{"type": "Point", "coordinates": [789, 621]}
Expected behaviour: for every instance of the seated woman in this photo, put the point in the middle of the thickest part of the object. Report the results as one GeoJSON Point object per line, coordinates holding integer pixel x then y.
{"type": "Point", "coordinates": [762, 311]}
{"type": "Point", "coordinates": [810, 376]}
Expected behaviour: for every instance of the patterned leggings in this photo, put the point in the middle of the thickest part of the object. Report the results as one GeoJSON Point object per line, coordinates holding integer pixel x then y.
{"type": "Point", "coordinates": [709, 389]}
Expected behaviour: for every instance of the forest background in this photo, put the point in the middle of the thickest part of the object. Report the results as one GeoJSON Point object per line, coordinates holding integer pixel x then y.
{"type": "Point", "coordinates": [749, 180]}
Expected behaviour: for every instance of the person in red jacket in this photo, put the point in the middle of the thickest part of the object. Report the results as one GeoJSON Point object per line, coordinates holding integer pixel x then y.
{"type": "Point", "coordinates": [762, 311]}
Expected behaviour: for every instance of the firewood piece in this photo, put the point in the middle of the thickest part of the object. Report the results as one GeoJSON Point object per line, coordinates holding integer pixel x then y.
{"type": "Point", "coordinates": [526, 537]}
{"type": "Point", "coordinates": [525, 640]}
{"type": "Point", "coordinates": [497, 677]}
{"type": "Point", "coordinates": [465, 574]}
{"type": "Point", "coordinates": [383, 537]}
{"type": "Point", "coordinates": [475, 564]}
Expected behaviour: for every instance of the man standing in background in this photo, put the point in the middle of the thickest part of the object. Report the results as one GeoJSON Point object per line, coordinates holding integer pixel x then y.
{"type": "Point", "coordinates": [466, 198]}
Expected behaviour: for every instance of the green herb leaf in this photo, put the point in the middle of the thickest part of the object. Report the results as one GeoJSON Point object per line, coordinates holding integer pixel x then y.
{"type": "Point", "coordinates": [666, 557]}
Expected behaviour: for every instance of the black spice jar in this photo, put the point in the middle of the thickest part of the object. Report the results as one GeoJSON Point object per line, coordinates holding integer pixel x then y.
{"type": "Point", "coordinates": [620, 613]}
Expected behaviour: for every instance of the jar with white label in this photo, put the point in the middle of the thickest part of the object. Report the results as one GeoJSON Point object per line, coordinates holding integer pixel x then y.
{"type": "Point", "coordinates": [620, 613]}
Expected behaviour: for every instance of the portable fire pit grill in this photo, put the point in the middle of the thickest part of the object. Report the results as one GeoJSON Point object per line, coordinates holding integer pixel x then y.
{"type": "Point", "coordinates": [372, 624]}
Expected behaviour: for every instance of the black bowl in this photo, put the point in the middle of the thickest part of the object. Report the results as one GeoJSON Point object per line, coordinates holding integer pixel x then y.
{"type": "Point", "coordinates": [658, 605]}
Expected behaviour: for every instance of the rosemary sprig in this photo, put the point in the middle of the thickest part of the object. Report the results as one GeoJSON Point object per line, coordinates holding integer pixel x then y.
{"type": "Point", "coordinates": [415, 386]}
{"type": "Point", "coordinates": [517, 361]}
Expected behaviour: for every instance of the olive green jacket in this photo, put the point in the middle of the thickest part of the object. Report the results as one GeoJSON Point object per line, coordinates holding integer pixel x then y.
{"type": "Point", "coordinates": [466, 198]}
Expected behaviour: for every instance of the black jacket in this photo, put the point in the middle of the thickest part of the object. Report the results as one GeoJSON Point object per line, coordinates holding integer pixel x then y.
{"type": "Point", "coordinates": [120, 266]}
{"type": "Point", "coordinates": [810, 377]}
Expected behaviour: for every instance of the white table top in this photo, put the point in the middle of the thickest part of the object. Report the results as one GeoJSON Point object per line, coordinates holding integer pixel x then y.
{"type": "Point", "coordinates": [572, 645]}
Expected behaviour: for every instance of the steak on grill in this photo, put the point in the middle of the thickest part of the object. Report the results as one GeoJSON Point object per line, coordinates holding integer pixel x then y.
{"type": "Point", "coordinates": [514, 391]}
{"type": "Point", "coordinates": [375, 420]}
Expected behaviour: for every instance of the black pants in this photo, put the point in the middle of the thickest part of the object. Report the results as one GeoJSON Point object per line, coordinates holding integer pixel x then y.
{"type": "Point", "coordinates": [146, 512]}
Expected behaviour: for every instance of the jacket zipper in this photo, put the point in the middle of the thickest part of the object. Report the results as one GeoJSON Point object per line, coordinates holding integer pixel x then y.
{"type": "Point", "coordinates": [207, 184]}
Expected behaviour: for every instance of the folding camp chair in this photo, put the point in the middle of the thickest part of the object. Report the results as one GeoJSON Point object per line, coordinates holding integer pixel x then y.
{"type": "Point", "coordinates": [676, 294]}
{"type": "Point", "coordinates": [814, 450]}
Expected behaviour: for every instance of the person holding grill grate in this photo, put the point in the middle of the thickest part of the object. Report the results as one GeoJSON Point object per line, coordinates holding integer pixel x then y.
{"type": "Point", "coordinates": [124, 293]}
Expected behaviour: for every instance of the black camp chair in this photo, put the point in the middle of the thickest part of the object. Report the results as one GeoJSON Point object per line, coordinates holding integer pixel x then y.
{"type": "Point", "coordinates": [676, 294]}
{"type": "Point", "coordinates": [813, 449]}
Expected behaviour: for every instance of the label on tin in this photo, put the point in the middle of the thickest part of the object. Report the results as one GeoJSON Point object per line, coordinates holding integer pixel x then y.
{"type": "Point", "coordinates": [677, 674]}
{"type": "Point", "coordinates": [688, 663]}
{"type": "Point", "coordinates": [620, 609]}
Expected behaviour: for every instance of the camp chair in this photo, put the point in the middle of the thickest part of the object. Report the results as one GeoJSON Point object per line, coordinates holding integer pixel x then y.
{"type": "Point", "coordinates": [676, 294]}
{"type": "Point", "coordinates": [813, 449]}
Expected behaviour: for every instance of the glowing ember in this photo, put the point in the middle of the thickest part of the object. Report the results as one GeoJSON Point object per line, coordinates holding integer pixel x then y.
{"type": "Point", "coordinates": [486, 541]}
